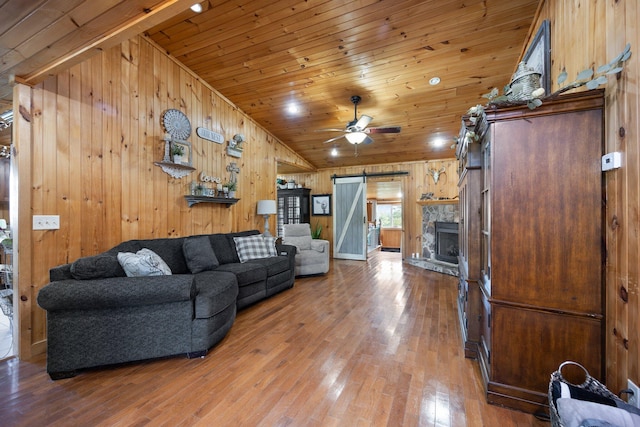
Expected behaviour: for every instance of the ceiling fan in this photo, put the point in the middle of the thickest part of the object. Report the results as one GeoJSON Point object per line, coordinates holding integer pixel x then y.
{"type": "Point", "coordinates": [356, 131]}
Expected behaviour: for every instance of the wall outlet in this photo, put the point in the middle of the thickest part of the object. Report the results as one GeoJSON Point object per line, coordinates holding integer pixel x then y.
{"type": "Point", "coordinates": [635, 399]}
{"type": "Point", "coordinates": [46, 222]}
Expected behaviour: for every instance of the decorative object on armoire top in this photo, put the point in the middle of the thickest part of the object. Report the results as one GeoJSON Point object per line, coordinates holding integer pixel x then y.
{"type": "Point", "coordinates": [266, 208]}
{"type": "Point", "coordinates": [588, 77]}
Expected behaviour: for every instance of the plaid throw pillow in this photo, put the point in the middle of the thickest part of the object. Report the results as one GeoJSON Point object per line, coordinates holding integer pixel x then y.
{"type": "Point", "coordinates": [251, 247]}
{"type": "Point", "coordinates": [270, 241]}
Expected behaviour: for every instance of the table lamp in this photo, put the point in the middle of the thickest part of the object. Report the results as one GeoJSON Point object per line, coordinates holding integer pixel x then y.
{"type": "Point", "coordinates": [266, 208]}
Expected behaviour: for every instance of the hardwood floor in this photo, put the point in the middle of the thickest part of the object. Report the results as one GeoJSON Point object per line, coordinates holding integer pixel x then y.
{"type": "Point", "coordinates": [373, 343]}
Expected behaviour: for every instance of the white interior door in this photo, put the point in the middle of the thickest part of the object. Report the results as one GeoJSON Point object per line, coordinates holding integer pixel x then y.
{"type": "Point", "coordinates": [350, 218]}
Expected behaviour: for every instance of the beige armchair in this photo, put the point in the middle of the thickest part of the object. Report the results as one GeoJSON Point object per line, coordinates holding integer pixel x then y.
{"type": "Point", "coordinates": [312, 255]}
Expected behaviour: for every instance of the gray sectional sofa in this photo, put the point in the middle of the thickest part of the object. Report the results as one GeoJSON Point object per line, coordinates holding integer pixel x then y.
{"type": "Point", "coordinates": [97, 315]}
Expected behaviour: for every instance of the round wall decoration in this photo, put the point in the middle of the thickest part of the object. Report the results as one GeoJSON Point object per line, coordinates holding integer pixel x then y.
{"type": "Point", "coordinates": [176, 123]}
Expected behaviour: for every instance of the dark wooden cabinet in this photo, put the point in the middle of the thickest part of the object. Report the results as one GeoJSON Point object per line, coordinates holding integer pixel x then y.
{"type": "Point", "coordinates": [293, 207]}
{"type": "Point", "coordinates": [541, 254]}
{"type": "Point", "coordinates": [469, 187]}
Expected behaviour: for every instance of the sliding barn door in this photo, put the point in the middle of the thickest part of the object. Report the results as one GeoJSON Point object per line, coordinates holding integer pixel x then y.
{"type": "Point", "coordinates": [349, 218]}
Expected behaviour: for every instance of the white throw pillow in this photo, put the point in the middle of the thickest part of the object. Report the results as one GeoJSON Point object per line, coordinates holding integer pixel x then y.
{"type": "Point", "coordinates": [251, 247]}
{"type": "Point", "coordinates": [145, 262]}
{"type": "Point", "coordinates": [573, 412]}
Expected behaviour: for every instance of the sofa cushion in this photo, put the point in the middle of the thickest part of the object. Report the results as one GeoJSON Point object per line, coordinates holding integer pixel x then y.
{"type": "Point", "coordinates": [225, 253]}
{"type": "Point", "coordinates": [216, 290]}
{"type": "Point", "coordinates": [170, 250]}
{"type": "Point", "coordinates": [251, 247]}
{"type": "Point", "coordinates": [303, 243]}
{"type": "Point", "coordinates": [145, 262]}
{"type": "Point", "coordinates": [199, 254]}
{"type": "Point", "coordinates": [246, 273]}
{"type": "Point", "coordinates": [96, 267]}
{"type": "Point", "coordinates": [274, 265]}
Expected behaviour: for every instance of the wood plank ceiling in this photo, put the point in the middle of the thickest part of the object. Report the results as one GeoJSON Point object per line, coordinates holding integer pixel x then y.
{"type": "Point", "coordinates": [265, 56]}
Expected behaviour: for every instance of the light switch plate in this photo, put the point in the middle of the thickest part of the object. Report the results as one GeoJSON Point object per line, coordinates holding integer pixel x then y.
{"type": "Point", "coordinates": [611, 161]}
{"type": "Point", "coordinates": [46, 222]}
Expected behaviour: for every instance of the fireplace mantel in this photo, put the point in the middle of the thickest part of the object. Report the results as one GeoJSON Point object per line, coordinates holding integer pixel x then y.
{"type": "Point", "coordinates": [438, 202]}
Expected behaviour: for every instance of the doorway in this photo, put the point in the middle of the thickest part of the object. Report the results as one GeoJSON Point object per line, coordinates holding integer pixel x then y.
{"type": "Point", "coordinates": [7, 315]}
{"type": "Point", "coordinates": [385, 211]}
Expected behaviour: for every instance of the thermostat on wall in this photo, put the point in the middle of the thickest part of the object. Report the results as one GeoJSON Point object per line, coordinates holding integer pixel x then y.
{"type": "Point", "coordinates": [611, 161]}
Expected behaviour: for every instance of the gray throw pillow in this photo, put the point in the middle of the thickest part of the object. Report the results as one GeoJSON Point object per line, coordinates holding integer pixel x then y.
{"type": "Point", "coordinates": [199, 254]}
{"type": "Point", "coordinates": [96, 267]}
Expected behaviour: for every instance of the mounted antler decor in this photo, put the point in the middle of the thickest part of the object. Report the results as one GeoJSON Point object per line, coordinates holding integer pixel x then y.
{"type": "Point", "coordinates": [436, 173]}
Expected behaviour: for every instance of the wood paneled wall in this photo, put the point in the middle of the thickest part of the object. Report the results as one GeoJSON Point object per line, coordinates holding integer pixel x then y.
{"type": "Point", "coordinates": [417, 182]}
{"type": "Point", "coordinates": [86, 144]}
{"type": "Point", "coordinates": [584, 34]}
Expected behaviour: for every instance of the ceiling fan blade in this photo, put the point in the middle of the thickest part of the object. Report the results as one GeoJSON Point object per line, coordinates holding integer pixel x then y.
{"type": "Point", "coordinates": [363, 122]}
{"type": "Point", "coordinates": [333, 139]}
{"type": "Point", "coordinates": [384, 129]}
{"type": "Point", "coordinates": [367, 140]}
{"type": "Point", "coordinates": [329, 130]}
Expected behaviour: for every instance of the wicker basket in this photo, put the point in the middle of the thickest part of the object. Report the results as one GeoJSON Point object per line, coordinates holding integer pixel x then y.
{"type": "Point", "coordinates": [523, 83]}
{"type": "Point", "coordinates": [589, 384]}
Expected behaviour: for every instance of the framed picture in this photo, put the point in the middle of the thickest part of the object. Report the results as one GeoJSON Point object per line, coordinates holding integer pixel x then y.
{"type": "Point", "coordinates": [321, 204]}
{"type": "Point", "coordinates": [538, 55]}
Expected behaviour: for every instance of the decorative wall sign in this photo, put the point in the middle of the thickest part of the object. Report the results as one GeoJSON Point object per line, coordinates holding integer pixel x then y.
{"type": "Point", "coordinates": [206, 178]}
{"type": "Point", "coordinates": [210, 135]}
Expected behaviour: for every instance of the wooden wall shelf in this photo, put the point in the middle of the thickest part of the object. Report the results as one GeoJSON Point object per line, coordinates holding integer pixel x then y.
{"type": "Point", "coordinates": [176, 170]}
{"type": "Point", "coordinates": [194, 200]}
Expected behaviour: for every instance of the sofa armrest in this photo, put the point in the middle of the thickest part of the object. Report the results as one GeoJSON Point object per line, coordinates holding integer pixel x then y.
{"type": "Point", "coordinates": [116, 292]}
{"type": "Point", "coordinates": [288, 250]}
{"type": "Point", "coordinates": [320, 245]}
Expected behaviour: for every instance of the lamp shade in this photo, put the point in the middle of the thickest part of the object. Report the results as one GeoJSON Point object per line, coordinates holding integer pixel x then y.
{"type": "Point", "coordinates": [266, 207]}
{"type": "Point", "coordinates": [3, 223]}
{"type": "Point", "coordinates": [355, 137]}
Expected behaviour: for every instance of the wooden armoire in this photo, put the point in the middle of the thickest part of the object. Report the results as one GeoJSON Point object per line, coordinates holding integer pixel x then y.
{"type": "Point", "coordinates": [535, 232]}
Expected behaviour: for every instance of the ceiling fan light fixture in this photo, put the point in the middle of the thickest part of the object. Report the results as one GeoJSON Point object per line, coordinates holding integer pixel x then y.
{"type": "Point", "coordinates": [334, 152]}
{"type": "Point", "coordinates": [356, 137]}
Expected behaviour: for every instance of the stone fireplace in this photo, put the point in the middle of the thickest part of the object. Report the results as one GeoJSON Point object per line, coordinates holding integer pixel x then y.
{"type": "Point", "coordinates": [446, 212]}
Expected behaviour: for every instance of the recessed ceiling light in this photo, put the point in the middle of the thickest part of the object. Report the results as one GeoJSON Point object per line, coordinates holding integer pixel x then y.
{"type": "Point", "coordinates": [334, 152]}
{"type": "Point", "coordinates": [197, 8]}
{"type": "Point", "coordinates": [293, 108]}
{"type": "Point", "coordinates": [434, 81]}
{"type": "Point", "coordinates": [439, 142]}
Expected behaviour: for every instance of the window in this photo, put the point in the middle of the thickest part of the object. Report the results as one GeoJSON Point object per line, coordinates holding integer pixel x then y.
{"type": "Point", "coordinates": [390, 215]}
